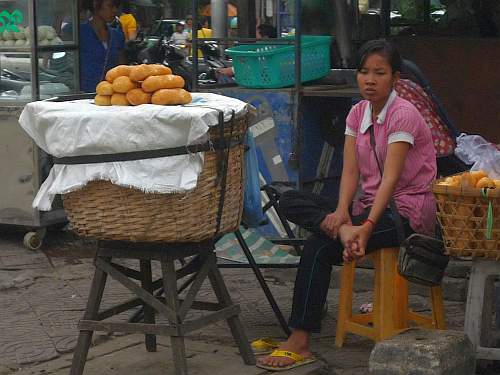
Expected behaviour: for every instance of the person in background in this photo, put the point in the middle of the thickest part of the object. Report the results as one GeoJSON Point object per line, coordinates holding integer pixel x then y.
{"type": "Point", "coordinates": [180, 36]}
{"type": "Point", "coordinates": [101, 46]}
{"type": "Point", "coordinates": [189, 24]}
{"type": "Point", "coordinates": [264, 31]}
{"type": "Point", "coordinates": [385, 128]}
{"type": "Point", "coordinates": [204, 32]}
{"type": "Point", "coordinates": [128, 22]}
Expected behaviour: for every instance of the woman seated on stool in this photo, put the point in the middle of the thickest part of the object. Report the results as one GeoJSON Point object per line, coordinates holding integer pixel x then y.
{"type": "Point", "coordinates": [406, 153]}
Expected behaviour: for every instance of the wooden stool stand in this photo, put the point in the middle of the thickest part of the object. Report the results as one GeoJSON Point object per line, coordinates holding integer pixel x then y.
{"type": "Point", "coordinates": [201, 266]}
{"type": "Point", "coordinates": [391, 314]}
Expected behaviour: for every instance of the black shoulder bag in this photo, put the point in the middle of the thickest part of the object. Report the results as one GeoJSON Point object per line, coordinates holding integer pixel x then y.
{"type": "Point", "coordinates": [421, 258]}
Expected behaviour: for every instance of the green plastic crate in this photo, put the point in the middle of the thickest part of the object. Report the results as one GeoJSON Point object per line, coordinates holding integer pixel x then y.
{"type": "Point", "coordinates": [273, 66]}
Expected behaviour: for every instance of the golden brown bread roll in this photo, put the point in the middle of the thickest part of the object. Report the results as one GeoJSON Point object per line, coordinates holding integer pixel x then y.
{"type": "Point", "coordinates": [117, 71]}
{"type": "Point", "coordinates": [102, 100]}
{"type": "Point", "coordinates": [159, 70]}
{"type": "Point", "coordinates": [123, 85]}
{"type": "Point", "coordinates": [138, 97]}
{"type": "Point", "coordinates": [171, 97]}
{"type": "Point", "coordinates": [104, 88]}
{"type": "Point", "coordinates": [119, 99]}
{"type": "Point", "coordinates": [155, 83]}
{"type": "Point", "coordinates": [141, 72]}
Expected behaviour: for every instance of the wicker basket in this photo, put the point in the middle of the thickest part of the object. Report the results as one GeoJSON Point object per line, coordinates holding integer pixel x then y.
{"type": "Point", "coordinates": [462, 213]}
{"type": "Point", "coordinates": [106, 211]}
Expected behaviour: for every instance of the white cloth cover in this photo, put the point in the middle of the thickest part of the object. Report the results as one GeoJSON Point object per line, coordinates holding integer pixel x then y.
{"type": "Point", "coordinates": [79, 127]}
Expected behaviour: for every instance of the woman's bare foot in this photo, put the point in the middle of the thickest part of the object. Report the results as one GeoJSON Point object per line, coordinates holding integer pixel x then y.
{"type": "Point", "coordinates": [298, 343]}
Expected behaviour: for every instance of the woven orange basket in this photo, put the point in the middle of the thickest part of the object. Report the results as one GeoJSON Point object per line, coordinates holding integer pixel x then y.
{"type": "Point", "coordinates": [106, 211]}
{"type": "Point", "coordinates": [465, 214]}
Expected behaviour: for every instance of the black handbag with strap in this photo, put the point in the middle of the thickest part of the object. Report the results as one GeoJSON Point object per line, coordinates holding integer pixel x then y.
{"type": "Point", "coordinates": [421, 258]}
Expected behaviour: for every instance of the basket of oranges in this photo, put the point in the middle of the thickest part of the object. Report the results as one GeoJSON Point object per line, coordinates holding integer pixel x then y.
{"type": "Point", "coordinates": [469, 214]}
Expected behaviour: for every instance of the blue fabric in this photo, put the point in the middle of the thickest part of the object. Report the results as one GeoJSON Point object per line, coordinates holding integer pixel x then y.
{"type": "Point", "coordinates": [252, 204]}
{"type": "Point", "coordinates": [93, 55]}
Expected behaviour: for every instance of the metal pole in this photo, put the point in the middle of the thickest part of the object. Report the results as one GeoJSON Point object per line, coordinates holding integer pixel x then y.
{"type": "Point", "coordinates": [194, 46]}
{"type": "Point", "coordinates": [35, 81]}
{"type": "Point", "coordinates": [386, 17]}
{"type": "Point", "coordinates": [297, 91]}
{"type": "Point", "coordinates": [219, 18]}
{"type": "Point", "coordinates": [343, 32]}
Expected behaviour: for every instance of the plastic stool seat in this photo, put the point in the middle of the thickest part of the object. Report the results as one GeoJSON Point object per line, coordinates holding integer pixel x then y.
{"type": "Point", "coordinates": [391, 313]}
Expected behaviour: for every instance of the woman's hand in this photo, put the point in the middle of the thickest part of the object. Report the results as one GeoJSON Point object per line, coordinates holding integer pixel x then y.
{"type": "Point", "coordinates": [333, 221]}
{"type": "Point", "coordinates": [355, 239]}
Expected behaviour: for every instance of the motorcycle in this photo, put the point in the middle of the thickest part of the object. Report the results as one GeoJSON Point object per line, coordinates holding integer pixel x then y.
{"type": "Point", "coordinates": [177, 58]}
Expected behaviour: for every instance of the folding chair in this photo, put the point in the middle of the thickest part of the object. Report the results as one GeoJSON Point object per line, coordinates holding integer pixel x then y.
{"type": "Point", "coordinates": [236, 260]}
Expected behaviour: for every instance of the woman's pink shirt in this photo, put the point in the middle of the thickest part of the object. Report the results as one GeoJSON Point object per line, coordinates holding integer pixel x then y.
{"type": "Point", "coordinates": [399, 121]}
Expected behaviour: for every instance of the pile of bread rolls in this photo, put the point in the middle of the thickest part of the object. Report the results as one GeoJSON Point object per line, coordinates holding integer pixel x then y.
{"type": "Point", "coordinates": [472, 179]}
{"type": "Point", "coordinates": [141, 84]}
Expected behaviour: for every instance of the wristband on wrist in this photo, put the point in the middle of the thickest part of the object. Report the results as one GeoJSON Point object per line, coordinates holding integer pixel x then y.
{"type": "Point", "coordinates": [370, 221]}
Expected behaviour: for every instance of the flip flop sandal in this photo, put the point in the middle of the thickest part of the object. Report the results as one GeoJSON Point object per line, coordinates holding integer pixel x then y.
{"type": "Point", "coordinates": [366, 308]}
{"type": "Point", "coordinates": [264, 346]}
{"type": "Point", "coordinates": [299, 360]}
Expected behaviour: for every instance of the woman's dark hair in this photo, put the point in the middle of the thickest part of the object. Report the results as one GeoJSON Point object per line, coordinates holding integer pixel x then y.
{"type": "Point", "coordinates": [89, 4]}
{"type": "Point", "coordinates": [202, 21]}
{"type": "Point", "coordinates": [381, 47]}
{"type": "Point", "coordinates": [267, 30]}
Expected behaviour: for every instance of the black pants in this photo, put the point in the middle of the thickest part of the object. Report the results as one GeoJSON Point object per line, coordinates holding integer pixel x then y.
{"type": "Point", "coordinates": [320, 252]}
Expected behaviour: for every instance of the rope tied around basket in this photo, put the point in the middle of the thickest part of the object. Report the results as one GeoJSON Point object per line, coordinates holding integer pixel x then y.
{"type": "Point", "coordinates": [489, 215]}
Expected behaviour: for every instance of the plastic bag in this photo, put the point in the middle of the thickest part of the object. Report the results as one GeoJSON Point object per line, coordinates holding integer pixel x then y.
{"type": "Point", "coordinates": [474, 149]}
{"type": "Point", "coordinates": [252, 204]}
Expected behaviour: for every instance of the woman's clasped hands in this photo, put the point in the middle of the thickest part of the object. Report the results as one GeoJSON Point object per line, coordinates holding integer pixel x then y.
{"type": "Point", "coordinates": [353, 237]}
{"type": "Point", "coordinates": [333, 221]}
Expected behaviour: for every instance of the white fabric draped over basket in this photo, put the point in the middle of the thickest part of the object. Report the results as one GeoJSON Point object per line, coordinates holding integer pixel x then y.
{"type": "Point", "coordinates": [79, 127]}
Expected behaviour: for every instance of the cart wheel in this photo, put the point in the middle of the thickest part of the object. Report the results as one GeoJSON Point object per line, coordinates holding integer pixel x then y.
{"type": "Point", "coordinates": [32, 241]}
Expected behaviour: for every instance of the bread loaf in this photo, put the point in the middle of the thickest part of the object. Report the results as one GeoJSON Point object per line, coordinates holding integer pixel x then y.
{"type": "Point", "coordinates": [123, 85]}
{"type": "Point", "coordinates": [155, 83]}
{"type": "Point", "coordinates": [104, 88]}
{"type": "Point", "coordinates": [161, 70]}
{"type": "Point", "coordinates": [171, 97]}
{"type": "Point", "coordinates": [119, 99]}
{"type": "Point", "coordinates": [117, 71]}
{"type": "Point", "coordinates": [138, 97]}
{"type": "Point", "coordinates": [102, 100]}
{"type": "Point", "coordinates": [141, 72]}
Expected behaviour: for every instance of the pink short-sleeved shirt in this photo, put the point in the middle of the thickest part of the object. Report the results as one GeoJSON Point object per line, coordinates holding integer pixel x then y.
{"type": "Point", "coordinates": [399, 121]}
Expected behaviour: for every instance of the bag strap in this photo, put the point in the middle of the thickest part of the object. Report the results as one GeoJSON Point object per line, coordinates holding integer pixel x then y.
{"type": "Point", "coordinates": [392, 204]}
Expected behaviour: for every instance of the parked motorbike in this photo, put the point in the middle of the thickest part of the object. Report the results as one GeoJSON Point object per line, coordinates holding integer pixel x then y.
{"type": "Point", "coordinates": [177, 58]}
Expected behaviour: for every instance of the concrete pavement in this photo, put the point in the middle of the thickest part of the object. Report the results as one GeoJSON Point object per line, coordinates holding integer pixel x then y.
{"type": "Point", "coordinates": [43, 296]}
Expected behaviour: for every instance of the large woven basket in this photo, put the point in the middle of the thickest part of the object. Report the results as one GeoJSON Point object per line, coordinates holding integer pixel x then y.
{"type": "Point", "coordinates": [462, 213]}
{"type": "Point", "coordinates": [106, 211]}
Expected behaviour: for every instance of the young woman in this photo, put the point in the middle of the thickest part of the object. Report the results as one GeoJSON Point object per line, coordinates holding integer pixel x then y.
{"type": "Point", "coordinates": [406, 153]}
{"type": "Point", "coordinates": [101, 46]}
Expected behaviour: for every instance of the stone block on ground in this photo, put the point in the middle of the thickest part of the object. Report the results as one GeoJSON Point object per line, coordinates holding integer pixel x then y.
{"type": "Point", "coordinates": [423, 352]}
